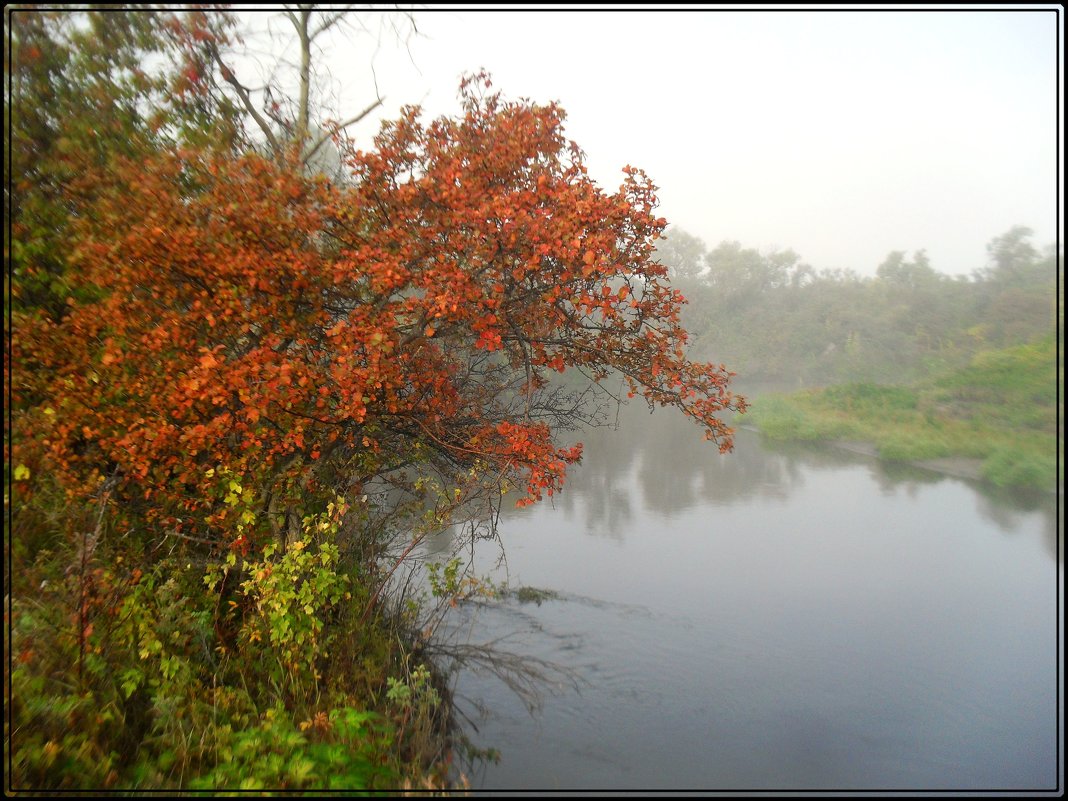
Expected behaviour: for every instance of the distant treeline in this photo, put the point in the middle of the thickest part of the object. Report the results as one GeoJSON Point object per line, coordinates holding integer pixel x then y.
{"type": "Point", "coordinates": [771, 317]}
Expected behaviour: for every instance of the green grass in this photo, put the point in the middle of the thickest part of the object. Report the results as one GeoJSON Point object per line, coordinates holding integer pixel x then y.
{"type": "Point", "coordinates": [1002, 408]}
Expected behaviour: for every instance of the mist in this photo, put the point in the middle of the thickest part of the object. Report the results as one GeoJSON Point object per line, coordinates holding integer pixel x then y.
{"type": "Point", "coordinates": [843, 136]}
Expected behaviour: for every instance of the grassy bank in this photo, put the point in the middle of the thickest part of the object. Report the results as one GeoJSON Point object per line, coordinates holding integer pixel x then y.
{"type": "Point", "coordinates": [1002, 409]}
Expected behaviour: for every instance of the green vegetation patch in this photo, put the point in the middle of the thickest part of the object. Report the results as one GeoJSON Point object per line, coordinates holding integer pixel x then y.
{"type": "Point", "coordinates": [1001, 408]}
{"type": "Point", "coordinates": [1009, 467]}
{"type": "Point", "coordinates": [180, 675]}
{"type": "Point", "coordinates": [1014, 387]}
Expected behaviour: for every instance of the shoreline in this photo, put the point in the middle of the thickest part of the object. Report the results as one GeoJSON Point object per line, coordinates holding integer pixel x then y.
{"type": "Point", "coordinates": [965, 467]}
{"type": "Point", "coordinates": [956, 466]}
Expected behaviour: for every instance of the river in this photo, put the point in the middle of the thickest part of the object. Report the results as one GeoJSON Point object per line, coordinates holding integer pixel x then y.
{"type": "Point", "coordinates": [778, 618]}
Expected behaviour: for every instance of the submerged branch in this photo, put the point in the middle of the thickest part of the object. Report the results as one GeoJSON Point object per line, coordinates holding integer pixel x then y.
{"type": "Point", "coordinates": [524, 675]}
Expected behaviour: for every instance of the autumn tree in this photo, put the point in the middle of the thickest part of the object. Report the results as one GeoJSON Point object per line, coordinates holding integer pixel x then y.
{"type": "Point", "coordinates": [234, 379]}
{"type": "Point", "coordinates": [239, 341]}
{"type": "Point", "coordinates": [296, 337]}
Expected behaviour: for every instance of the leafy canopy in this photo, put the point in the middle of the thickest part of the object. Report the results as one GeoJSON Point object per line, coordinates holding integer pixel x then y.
{"type": "Point", "coordinates": [252, 321]}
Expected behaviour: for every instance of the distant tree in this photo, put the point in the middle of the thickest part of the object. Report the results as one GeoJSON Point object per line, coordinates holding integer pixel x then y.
{"type": "Point", "coordinates": [747, 271]}
{"type": "Point", "coordinates": [735, 270]}
{"type": "Point", "coordinates": [905, 274]}
{"type": "Point", "coordinates": [682, 253]}
{"type": "Point", "coordinates": [1011, 256]}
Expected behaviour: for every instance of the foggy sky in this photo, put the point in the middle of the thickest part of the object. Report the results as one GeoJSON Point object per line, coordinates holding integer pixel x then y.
{"type": "Point", "coordinates": [843, 135]}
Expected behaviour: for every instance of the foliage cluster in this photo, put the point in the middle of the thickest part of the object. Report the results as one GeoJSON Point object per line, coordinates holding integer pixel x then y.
{"type": "Point", "coordinates": [124, 679]}
{"type": "Point", "coordinates": [311, 338]}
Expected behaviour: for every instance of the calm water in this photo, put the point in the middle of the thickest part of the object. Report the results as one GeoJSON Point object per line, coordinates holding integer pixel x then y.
{"type": "Point", "coordinates": [777, 618]}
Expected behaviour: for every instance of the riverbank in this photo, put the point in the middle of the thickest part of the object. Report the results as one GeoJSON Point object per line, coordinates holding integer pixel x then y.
{"type": "Point", "coordinates": [1005, 466]}
{"type": "Point", "coordinates": [956, 466]}
{"type": "Point", "coordinates": [995, 420]}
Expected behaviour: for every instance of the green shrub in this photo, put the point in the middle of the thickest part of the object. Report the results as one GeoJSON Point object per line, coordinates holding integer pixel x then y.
{"type": "Point", "coordinates": [292, 595]}
{"type": "Point", "coordinates": [1008, 467]}
{"type": "Point", "coordinates": [177, 676]}
{"type": "Point", "coordinates": [346, 749]}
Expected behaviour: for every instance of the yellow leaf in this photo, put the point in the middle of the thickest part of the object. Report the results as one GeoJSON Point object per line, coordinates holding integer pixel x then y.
{"type": "Point", "coordinates": [22, 472]}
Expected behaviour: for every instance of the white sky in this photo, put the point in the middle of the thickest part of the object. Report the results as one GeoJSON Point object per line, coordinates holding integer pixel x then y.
{"type": "Point", "coordinates": [842, 134]}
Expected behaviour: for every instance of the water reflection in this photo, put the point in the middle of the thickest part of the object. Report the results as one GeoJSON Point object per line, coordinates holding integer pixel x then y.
{"type": "Point", "coordinates": [661, 459]}
{"type": "Point", "coordinates": [664, 459]}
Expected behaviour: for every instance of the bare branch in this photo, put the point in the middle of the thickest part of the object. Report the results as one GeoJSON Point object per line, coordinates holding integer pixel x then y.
{"type": "Point", "coordinates": [329, 22]}
{"type": "Point", "coordinates": [333, 129]}
{"type": "Point", "coordinates": [246, 99]}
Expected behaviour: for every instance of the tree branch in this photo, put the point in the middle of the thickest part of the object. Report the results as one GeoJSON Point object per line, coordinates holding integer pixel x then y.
{"type": "Point", "coordinates": [329, 22]}
{"type": "Point", "coordinates": [333, 129]}
{"type": "Point", "coordinates": [243, 93]}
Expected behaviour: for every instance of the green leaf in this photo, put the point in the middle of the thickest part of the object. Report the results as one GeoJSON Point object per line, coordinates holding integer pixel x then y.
{"type": "Point", "coordinates": [299, 769]}
{"type": "Point", "coordinates": [131, 680]}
